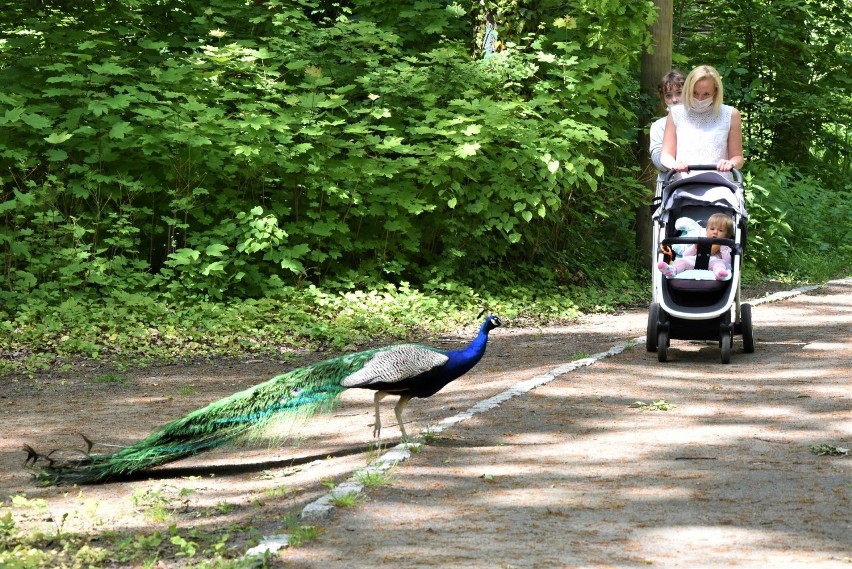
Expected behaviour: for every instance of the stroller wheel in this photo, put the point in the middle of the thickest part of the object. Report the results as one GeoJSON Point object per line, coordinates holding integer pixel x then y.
{"type": "Point", "coordinates": [653, 321]}
{"type": "Point", "coordinates": [663, 343]}
{"type": "Point", "coordinates": [725, 345]}
{"type": "Point", "coordinates": [748, 331]}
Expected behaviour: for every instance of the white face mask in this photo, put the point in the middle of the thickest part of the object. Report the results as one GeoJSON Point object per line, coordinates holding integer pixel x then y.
{"type": "Point", "coordinates": [702, 106]}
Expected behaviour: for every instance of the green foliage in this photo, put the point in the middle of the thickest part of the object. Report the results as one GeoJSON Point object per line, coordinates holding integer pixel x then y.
{"type": "Point", "coordinates": [155, 503]}
{"type": "Point", "coordinates": [265, 145]}
{"type": "Point", "coordinates": [785, 65]}
{"type": "Point", "coordinates": [829, 450]}
{"type": "Point", "coordinates": [371, 478]}
{"type": "Point", "coordinates": [133, 331]}
{"type": "Point", "coordinates": [346, 499]}
{"type": "Point", "coordinates": [300, 533]}
{"type": "Point", "coordinates": [36, 550]}
{"type": "Point", "coordinates": [792, 219]}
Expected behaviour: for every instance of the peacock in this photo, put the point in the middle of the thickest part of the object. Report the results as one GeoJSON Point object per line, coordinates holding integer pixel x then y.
{"type": "Point", "coordinates": [406, 370]}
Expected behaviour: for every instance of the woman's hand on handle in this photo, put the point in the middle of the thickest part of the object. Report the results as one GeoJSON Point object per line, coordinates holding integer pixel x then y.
{"type": "Point", "coordinates": [725, 165]}
{"type": "Point", "coordinates": [680, 166]}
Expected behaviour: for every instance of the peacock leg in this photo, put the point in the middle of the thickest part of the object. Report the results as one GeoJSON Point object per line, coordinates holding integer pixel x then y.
{"type": "Point", "coordinates": [400, 405]}
{"type": "Point", "coordinates": [377, 428]}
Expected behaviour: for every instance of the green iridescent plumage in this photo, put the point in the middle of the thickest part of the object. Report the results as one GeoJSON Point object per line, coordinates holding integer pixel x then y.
{"type": "Point", "coordinates": [291, 396]}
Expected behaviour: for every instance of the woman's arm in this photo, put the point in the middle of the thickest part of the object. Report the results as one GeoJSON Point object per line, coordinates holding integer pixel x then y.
{"type": "Point", "coordinates": [735, 145]}
{"type": "Point", "coordinates": [658, 131]}
{"type": "Point", "coordinates": [668, 155]}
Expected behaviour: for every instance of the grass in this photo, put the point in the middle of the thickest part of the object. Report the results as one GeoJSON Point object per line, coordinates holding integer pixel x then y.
{"type": "Point", "coordinates": [347, 499]}
{"type": "Point", "coordinates": [298, 532]}
{"type": "Point", "coordinates": [111, 378]}
{"type": "Point", "coordinates": [127, 333]}
{"type": "Point", "coordinates": [19, 550]}
{"type": "Point", "coordinates": [371, 478]}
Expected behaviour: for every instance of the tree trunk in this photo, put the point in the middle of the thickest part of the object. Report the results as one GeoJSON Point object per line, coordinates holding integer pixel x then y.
{"type": "Point", "coordinates": [655, 64]}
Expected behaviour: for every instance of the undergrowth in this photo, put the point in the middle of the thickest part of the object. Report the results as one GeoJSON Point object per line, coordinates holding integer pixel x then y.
{"type": "Point", "coordinates": [133, 330]}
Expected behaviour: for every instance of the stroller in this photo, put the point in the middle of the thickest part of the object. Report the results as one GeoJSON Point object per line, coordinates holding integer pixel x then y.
{"type": "Point", "coordinates": [694, 305]}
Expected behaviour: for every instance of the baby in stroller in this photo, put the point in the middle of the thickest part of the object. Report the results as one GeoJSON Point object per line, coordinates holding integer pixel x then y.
{"type": "Point", "coordinates": [719, 225]}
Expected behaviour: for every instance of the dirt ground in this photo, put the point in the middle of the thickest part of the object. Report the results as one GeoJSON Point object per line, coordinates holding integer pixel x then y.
{"type": "Point", "coordinates": [569, 474]}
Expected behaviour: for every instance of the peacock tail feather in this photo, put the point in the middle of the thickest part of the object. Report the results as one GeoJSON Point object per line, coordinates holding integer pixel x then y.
{"type": "Point", "coordinates": [244, 416]}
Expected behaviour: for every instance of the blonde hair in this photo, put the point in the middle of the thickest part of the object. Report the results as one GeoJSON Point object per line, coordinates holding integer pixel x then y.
{"type": "Point", "coordinates": [724, 220]}
{"type": "Point", "coordinates": [696, 75]}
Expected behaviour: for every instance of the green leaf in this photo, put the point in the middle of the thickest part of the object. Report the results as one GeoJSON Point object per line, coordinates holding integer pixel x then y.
{"type": "Point", "coordinates": [36, 121]}
{"type": "Point", "coordinates": [157, 45]}
{"type": "Point", "coordinates": [468, 149]}
{"type": "Point", "coordinates": [214, 267]}
{"type": "Point", "coordinates": [184, 256]}
{"type": "Point", "coordinates": [57, 155]}
{"type": "Point", "coordinates": [109, 69]}
{"type": "Point", "coordinates": [829, 450]}
{"type": "Point", "coordinates": [119, 129]}
{"type": "Point", "coordinates": [67, 78]}
{"type": "Point", "coordinates": [13, 115]}
{"type": "Point", "coordinates": [58, 137]}
{"type": "Point", "coordinates": [216, 249]}
{"type": "Point", "coordinates": [98, 108]}
{"type": "Point", "coordinates": [7, 205]}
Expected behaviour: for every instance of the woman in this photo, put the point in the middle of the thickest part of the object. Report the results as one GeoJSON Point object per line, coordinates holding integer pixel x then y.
{"type": "Point", "coordinates": [702, 130]}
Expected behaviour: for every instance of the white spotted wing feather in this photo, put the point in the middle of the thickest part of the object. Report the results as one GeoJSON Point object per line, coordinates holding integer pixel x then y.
{"type": "Point", "coordinates": [395, 364]}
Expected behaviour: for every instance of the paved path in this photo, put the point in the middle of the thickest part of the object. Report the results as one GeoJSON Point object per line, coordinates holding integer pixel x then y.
{"type": "Point", "coordinates": [561, 471]}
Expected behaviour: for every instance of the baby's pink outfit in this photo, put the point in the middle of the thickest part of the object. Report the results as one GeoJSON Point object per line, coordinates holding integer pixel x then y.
{"type": "Point", "coordinates": [720, 263]}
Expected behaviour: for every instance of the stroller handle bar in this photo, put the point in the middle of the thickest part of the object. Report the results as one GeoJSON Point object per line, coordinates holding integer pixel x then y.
{"type": "Point", "coordinates": [738, 176]}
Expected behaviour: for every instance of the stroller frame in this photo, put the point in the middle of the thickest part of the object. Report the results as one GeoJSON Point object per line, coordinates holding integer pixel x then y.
{"type": "Point", "coordinates": [688, 309]}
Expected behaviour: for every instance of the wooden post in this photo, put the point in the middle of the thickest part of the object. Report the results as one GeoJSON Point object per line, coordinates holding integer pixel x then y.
{"type": "Point", "coordinates": [655, 64]}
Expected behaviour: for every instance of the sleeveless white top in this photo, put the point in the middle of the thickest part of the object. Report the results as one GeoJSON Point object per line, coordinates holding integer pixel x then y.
{"type": "Point", "coordinates": [702, 138]}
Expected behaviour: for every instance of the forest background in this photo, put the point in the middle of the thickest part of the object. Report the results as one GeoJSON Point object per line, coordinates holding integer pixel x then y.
{"type": "Point", "coordinates": [216, 177]}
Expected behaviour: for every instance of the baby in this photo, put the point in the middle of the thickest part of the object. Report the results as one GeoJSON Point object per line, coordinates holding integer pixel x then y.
{"type": "Point", "coordinates": [719, 226]}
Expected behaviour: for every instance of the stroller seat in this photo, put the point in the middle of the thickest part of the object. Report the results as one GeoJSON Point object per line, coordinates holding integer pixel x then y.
{"type": "Point", "coordinates": [697, 279]}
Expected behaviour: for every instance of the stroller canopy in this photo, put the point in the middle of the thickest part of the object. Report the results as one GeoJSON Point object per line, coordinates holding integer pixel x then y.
{"type": "Point", "coordinates": [706, 188]}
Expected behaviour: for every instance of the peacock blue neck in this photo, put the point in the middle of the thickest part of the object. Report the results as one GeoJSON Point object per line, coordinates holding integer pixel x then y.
{"type": "Point", "coordinates": [464, 359]}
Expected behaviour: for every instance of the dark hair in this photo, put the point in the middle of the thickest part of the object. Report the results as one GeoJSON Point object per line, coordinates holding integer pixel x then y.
{"type": "Point", "coordinates": [673, 77]}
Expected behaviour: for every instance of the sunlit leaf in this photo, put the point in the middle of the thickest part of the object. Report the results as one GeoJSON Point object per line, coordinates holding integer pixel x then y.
{"type": "Point", "coordinates": [468, 149]}
{"type": "Point", "coordinates": [58, 137]}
